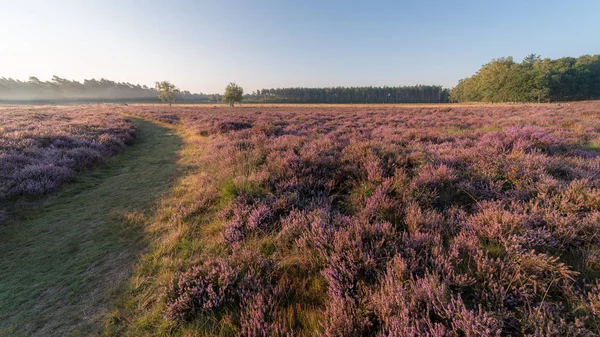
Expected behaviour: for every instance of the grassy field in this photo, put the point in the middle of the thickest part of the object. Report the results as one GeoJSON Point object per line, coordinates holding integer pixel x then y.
{"type": "Point", "coordinates": [64, 256]}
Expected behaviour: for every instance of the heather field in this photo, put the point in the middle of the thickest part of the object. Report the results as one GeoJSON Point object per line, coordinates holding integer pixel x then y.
{"type": "Point", "coordinates": [42, 147]}
{"type": "Point", "coordinates": [373, 221]}
{"type": "Point", "coordinates": [288, 169]}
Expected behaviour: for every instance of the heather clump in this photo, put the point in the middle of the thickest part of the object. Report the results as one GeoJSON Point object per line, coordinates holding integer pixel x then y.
{"type": "Point", "coordinates": [396, 221]}
{"type": "Point", "coordinates": [242, 287]}
{"type": "Point", "coordinates": [424, 306]}
{"type": "Point", "coordinates": [244, 217]}
{"type": "Point", "coordinates": [167, 118]}
{"type": "Point", "coordinates": [203, 289]}
{"type": "Point", "coordinates": [358, 252]}
{"type": "Point", "coordinates": [227, 126]}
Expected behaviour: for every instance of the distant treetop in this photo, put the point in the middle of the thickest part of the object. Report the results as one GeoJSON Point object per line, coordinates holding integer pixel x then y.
{"type": "Point", "coordinates": [166, 91]}
{"type": "Point", "coordinates": [533, 80]}
{"type": "Point", "coordinates": [233, 94]}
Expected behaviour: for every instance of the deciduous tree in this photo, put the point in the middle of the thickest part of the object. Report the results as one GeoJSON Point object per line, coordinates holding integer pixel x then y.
{"type": "Point", "coordinates": [166, 91]}
{"type": "Point", "coordinates": [233, 94]}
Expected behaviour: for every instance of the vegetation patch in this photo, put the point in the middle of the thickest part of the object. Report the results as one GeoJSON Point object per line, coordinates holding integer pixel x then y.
{"type": "Point", "coordinates": [347, 223]}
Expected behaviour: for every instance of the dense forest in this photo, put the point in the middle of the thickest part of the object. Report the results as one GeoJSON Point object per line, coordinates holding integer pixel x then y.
{"type": "Point", "coordinates": [533, 80]}
{"type": "Point", "coordinates": [406, 94]}
{"type": "Point", "coordinates": [103, 90]}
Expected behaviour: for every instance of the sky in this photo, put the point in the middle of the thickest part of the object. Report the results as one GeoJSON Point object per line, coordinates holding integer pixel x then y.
{"type": "Point", "coordinates": [201, 46]}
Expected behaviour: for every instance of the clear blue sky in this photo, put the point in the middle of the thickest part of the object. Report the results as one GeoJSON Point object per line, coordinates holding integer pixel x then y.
{"type": "Point", "coordinates": [202, 45]}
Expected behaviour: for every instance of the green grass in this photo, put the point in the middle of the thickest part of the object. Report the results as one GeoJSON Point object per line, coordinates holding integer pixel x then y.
{"type": "Point", "coordinates": [593, 145]}
{"type": "Point", "coordinates": [454, 130]}
{"type": "Point", "coordinates": [63, 257]}
{"type": "Point", "coordinates": [182, 232]}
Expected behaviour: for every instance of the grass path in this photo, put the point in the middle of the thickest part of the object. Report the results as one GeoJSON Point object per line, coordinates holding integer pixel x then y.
{"type": "Point", "coordinates": [65, 255]}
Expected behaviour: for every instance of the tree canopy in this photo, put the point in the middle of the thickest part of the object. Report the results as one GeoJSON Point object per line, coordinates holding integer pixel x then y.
{"type": "Point", "coordinates": [166, 91]}
{"type": "Point", "coordinates": [533, 80]}
{"type": "Point", "coordinates": [233, 94]}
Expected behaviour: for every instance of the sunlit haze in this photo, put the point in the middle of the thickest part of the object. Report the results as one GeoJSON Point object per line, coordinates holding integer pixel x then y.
{"type": "Point", "coordinates": [203, 45]}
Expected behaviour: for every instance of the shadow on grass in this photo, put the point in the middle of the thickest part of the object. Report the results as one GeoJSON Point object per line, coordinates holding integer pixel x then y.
{"type": "Point", "coordinates": [63, 256]}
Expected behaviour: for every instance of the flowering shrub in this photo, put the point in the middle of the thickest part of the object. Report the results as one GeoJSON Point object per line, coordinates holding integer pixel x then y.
{"type": "Point", "coordinates": [202, 289]}
{"type": "Point", "coordinates": [399, 221]}
{"type": "Point", "coordinates": [42, 147]}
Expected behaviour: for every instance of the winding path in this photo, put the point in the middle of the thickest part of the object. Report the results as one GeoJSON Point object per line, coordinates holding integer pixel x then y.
{"type": "Point", "coordinates": [65, 256]}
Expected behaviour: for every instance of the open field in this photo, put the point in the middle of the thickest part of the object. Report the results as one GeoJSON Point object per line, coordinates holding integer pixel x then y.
{"type": "Point", "coordinates": [390, 221]}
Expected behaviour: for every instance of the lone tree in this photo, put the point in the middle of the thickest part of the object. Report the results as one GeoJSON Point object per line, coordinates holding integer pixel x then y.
{"type": "Point", "coordinates": [166, 91]}
{"type": "Point", "coordinates": [233, 93]}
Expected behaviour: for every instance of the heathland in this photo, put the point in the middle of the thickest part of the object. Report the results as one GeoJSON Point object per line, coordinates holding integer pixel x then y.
{"type": "Point", "coordinates": [339, 220]}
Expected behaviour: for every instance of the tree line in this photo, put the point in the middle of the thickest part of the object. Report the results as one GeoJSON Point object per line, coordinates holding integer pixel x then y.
{"type": "Point", "coordinates": [502, 80]}
{"type": "Point", "coordinates": [103, 90]}
{"type": "Point", "coordinates": [404, 94]}
{"type": "Point", "coordinates": [532, 80]}
{"type": "Point", "coordinates": [92, 90]}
